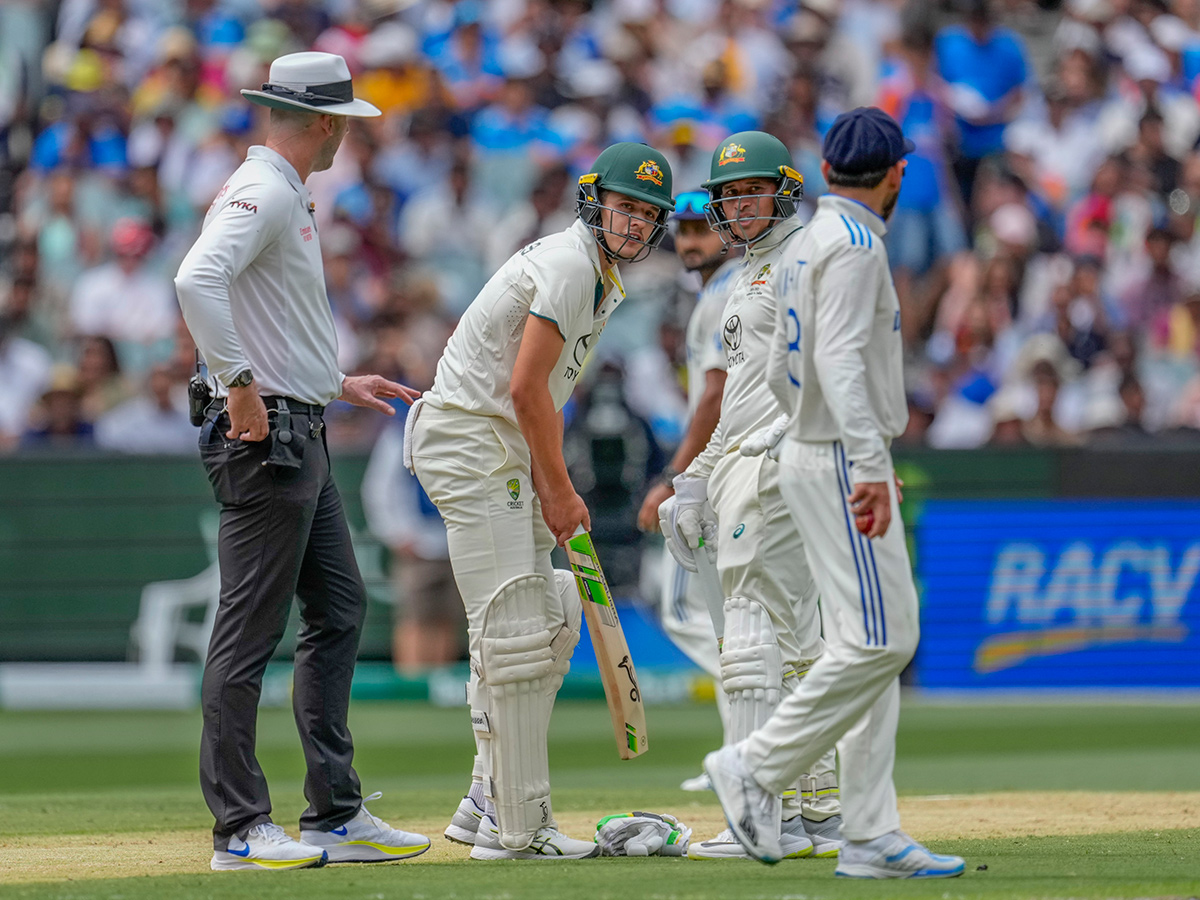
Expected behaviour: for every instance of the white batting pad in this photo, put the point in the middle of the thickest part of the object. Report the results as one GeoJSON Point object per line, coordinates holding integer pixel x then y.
{"type": "Point", "coordinates": [751, 666]}
{"type": "Point", "coordinates": [517, 664]}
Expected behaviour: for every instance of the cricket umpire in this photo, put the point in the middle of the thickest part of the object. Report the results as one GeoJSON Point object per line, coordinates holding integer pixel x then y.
{"type": "Point", "coordinates": [252, 291]}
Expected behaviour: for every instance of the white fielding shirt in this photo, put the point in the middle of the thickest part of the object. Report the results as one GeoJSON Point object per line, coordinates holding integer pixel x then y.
{"type": "Point", "coordinates": [557, 278]}
{"type": "Point", "coordinates": [705, 349]}
{"type": "Point", "coordinates": [747, 330]}
{"type": "Point", "coordinates": [252, 288]}
{"type": "Point", "coordinates": [836, 356]}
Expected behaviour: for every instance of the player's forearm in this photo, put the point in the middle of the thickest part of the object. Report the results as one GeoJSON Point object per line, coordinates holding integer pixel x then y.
{"type": "Point", "coordinates": [541, 425]}
{"type": "Point", "coordinates": [703, 424]}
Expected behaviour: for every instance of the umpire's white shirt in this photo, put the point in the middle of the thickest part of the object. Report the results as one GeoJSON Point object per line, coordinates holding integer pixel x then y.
{"type": "Point", "coordinates": [252, 288]}
{"type": "Point", "coordinates": [559, 279]}
{"type": "Point", "coordinates": [747, 329]}
{"type": "Point", "coordinates": [836, 356]}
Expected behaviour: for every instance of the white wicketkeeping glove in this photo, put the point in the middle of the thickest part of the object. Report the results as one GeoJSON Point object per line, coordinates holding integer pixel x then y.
{"type": "Point", "coordinates": [767, 440]}
{"type": "Point", "coordinates": [687, 521]}
{"type": "Point", "coordinates": [642, 834]}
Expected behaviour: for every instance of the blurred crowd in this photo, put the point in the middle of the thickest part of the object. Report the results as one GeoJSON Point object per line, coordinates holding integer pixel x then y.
{"type": "Point", "coordinates": [1044, 248]}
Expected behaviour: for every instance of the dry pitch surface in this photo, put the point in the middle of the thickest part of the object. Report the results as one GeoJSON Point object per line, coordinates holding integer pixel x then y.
{"type": "Point", "coordinates": [930, 818]}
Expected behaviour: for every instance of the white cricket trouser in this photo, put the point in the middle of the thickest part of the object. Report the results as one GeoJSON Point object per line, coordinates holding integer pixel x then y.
{"type": "Point", "coordinates": [466, 463]}
{"type": "Point", "coordinates": [760, 555]}
{"type": "Point", "coordinates": [851, 696]}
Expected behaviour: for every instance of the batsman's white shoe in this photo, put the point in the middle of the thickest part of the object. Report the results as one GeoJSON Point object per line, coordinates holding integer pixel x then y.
{"type": "Point", "coordinates": [895, 855]}
{"type": "Point", "coordinates": [699, 783]}
{"type": "Point", "coordinates": [752, 813]}
{"type": "Point", "coordinates": [267, 846]}
{"type": "Point", "coordinates": [794, 843]}
{"type": "Point", "coordinates": [826, 836]}
{"type": "Point", "coordinates": [465, 822]}
{"type": "Point", "coordinates": [548, 843]}
{"type": "Point", "coordinates": [366, 838]}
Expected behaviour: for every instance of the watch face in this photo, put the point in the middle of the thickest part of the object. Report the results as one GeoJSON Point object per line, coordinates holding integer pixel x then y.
{"type": "Point", "coordinates": [242, 379]}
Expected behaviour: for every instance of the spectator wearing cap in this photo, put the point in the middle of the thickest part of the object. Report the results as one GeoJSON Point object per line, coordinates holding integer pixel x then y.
{"type": "Point", "coordinates": [57, 421]}
{"type": "Point", "coordinates": [127, 299]}
{"type": "Point", "coordinates": [984, 67]}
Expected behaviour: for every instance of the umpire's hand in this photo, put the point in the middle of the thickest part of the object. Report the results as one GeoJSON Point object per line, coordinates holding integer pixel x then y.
{"type": "Point", "coordinates": [247, 414]}
{"type": "Point", "coordinates": [365, 390]}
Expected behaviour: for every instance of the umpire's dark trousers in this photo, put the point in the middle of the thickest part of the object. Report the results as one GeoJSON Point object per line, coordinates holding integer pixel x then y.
{"type": "Point", "coordinates": [283, 533]}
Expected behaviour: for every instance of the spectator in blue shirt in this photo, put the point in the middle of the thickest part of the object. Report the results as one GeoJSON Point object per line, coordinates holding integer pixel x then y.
{"type": "Point", "coordinates": [984, 68]}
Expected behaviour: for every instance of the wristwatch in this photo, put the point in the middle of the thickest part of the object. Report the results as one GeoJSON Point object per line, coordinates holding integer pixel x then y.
{"type": "Point", "coordinates": [241, 379]}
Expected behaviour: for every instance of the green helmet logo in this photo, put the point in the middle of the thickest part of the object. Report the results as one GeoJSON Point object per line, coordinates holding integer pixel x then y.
{"type": "Point", "coordinates": [733, 152]}
{"type": "Point", "coordinates": [752, 154]}
{"type": "Point", "coordinates": [649, 171]}
{"type": "Point", "coordinates": [639, 172]}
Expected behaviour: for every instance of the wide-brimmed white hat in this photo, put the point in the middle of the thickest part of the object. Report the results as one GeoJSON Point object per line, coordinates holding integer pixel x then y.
{"type": "Point", "coordinates": [316, 82]}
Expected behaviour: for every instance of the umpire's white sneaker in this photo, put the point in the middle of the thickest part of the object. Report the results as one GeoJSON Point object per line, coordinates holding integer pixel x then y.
{"type": "Point", "coordinates": [794, 843]}
{"type": "Point", "coordinates": [895, 855]}
{"type": "Point", "coordinates": [366, 838]}
{"type": "Point", "coordinates": [826, 836]}
{"type": "Point", "coordinates": [548, 843]}
{"type": "Point", "coordinates": [752, 813]}
{"type": "Point", "coordinates": [267, 846]}
{"type": "Point", "coordinates": [465, 822]}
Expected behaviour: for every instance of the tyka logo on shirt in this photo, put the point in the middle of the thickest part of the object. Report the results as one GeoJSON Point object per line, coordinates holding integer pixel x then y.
{"type": "Point", "coordinates": [242, 204]}
{"type": "Point", "coordinates": [514, 491]}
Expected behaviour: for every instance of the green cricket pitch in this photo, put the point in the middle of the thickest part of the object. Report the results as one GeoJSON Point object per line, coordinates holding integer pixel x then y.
{"type": "Point", "coordinates": [1044, 801]}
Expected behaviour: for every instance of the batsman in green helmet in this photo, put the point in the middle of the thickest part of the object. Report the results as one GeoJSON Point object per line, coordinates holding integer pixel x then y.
{"type": "Point", "coordinates": [486, 444]}
{"type": "Point", "coordinates": [729, 506]}
{"type": "Point", "coordinates": [753, 187]}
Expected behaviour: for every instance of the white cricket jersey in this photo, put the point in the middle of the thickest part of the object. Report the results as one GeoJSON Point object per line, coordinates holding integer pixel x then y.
{"type": "Point", "coordinates": [747, 329]}
{"type": "Point", "coordinates": [705, 350]}
{"type": "Point", "coordinates": [557, 278]}
{"type": "Point", "coordinates": [836, 356]}
{"type": "Point", "coordinates": [252, 288]}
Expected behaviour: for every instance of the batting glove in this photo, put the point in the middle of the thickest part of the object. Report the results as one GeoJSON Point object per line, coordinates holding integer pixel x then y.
{"type": "Point", "coordinates": [767, 440]}
{"type": "Point", "coordinates": [687, 521]}
{"type": "Point", "coordinates": [642, 834]}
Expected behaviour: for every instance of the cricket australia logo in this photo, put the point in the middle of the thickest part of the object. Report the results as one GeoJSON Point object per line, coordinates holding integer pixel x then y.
{"type": "Point", "coordinates": [732, 153]}
{"type": "Point", "coordinates": [761, 276]}
{"type": "Point", "coordinates": [649, 171]}
{"type": "Point", "coordinates": [514, 491]}
{"type": "Point", "coordinates": [635, 693]}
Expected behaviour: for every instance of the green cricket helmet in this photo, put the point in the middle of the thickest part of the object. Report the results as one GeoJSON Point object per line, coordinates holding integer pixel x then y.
{"type": "Point", "coordinates": [752, 154]}
{"type": "Point", "coordinates": [637, 171]}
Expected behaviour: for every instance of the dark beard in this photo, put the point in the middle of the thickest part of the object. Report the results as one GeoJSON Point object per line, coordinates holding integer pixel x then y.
{"type": "Point", "coordinates": [889, 205]}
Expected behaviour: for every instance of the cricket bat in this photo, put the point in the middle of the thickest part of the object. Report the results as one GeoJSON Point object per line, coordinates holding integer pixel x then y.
{"type": "Point", "coordinates": [612, 652]}
{"type": "Point", "coordinates": [710, 587]}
